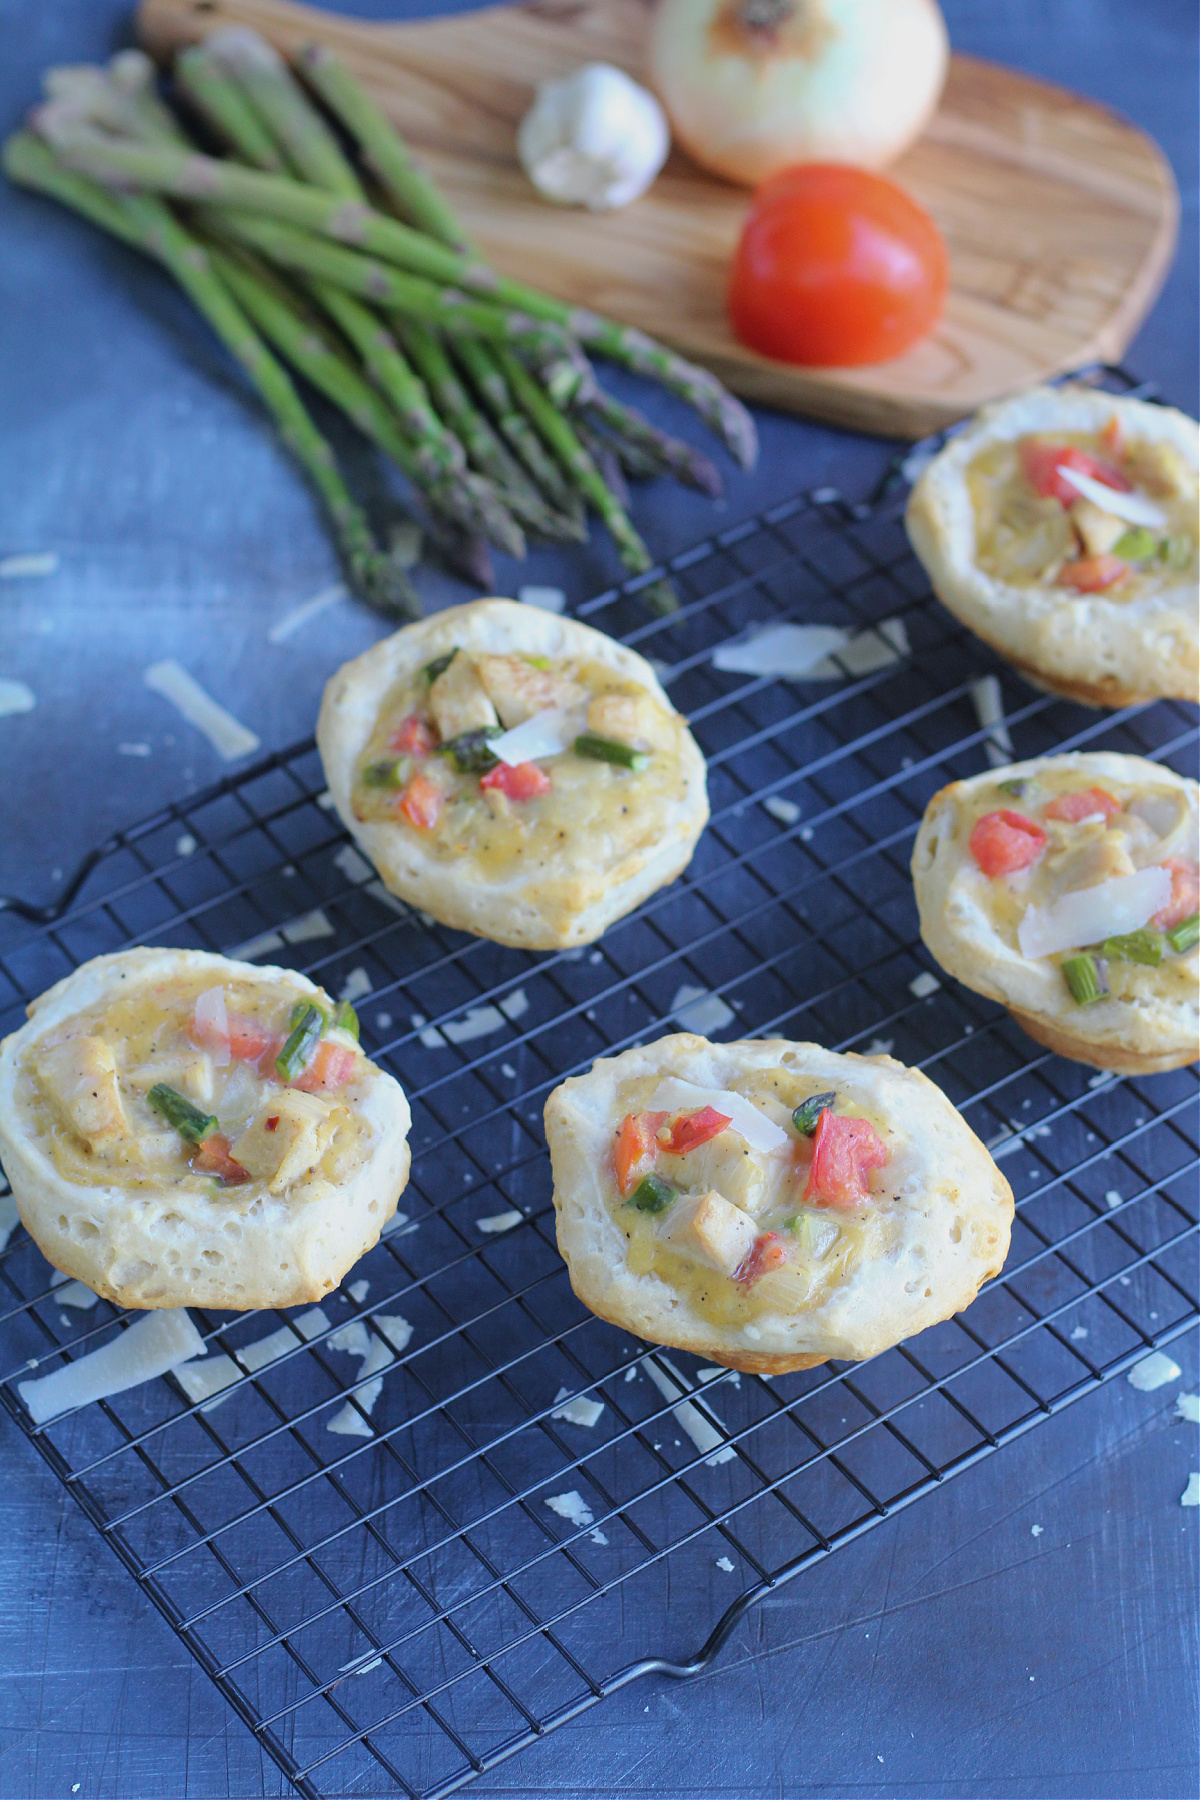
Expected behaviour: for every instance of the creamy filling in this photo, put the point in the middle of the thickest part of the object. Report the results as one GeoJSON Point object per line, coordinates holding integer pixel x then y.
{"type": "Point", "coordinates": [511, 760]}
{"type": "Point", "coordinates": [1085, 512]}
{"type": "Point", "coordinates": [229, 1088]}
{"type": "Point", "coordinates": [743, 1233]}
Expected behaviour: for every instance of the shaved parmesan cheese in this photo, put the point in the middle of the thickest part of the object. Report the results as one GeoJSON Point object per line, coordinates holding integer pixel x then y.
{"type": "Point", "coordinates": [579, 1410]}
{"type": "Point", "coordinates": [699, 1011]}
{"type": "Point", "coordinates": [269, 1349]}
{"type": "Point", "coordinates": [356, 986]}
{"type": "Point", "coordinates": [1090, 915]}
{"type": "Point", "coordinates": [723, 1562]}
{"type": "Point", "coordinates": [75, 1294]}
{"type": "Point", "coordinates": [377, 1353]}
{"type": "Point", "coordinates": [761, 1133]}
{"type": "Point", "coordinates": [547, 599]}
{"type": "Point", "coordinates": [1154, 1371]}
{"type": "Point", "coordinates": [204, 1380]}
{"type": "Point", "coordinates": [15, 697]}
{"type": "Point", "coordinates": [1191, 1493]}
{"type": "Point", "coordinates": [1135, 509]}
{"type": "Point", "coordinates": [571, 1507]}
{"type": "Point", "coordinates": [701, 1429]}
{"type": "Point", "coordinates": [227, 735]}
{"type": "Point", "coordinates": [548, 733]}
{"type": "Point", "coordinates": [504, 1221]}
{"type": "Point", "coordinates": [989, 710]}
{"type": "Point", "coordinates": [783, 651]}
{"type": "Point", "coordinates": [158, 1341]}
{"type": "Point", "coordinates": [1187, 1406]}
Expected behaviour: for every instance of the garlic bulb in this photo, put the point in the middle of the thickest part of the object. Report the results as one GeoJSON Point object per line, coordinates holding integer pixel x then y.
{"type": "Point", "coordinates": [752, 86]}
{"type": "Point", "coordinates": [594, 139]}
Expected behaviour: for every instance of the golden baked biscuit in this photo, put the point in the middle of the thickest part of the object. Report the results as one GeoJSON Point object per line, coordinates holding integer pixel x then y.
{"type": "Point", "coordinates": [768, 1205]}
{"type": "Point", "coordinates": [180, 1129]}
{"type": "Point", "coordinates": [1067, 888]}
{"type": "Point", "coordinates": [1061, 526]}
{"type": "Point", "coordinates": [516, 775]}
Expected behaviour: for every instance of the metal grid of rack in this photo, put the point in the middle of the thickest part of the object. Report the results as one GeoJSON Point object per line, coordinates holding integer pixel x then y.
{"type": "Point", "coordinates": [391, 1602]}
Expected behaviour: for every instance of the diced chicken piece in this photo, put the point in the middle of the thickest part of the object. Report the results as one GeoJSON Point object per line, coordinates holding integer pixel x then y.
{"type": "Point", "coordinates": [458, 700]}
{"type": "Point", "coordinates": [1098, 529]}
{"type": "Point", "coordinates": [629, 718]}
{"type": "Point", "coordinates": [80, 1079]}
{"type": "Point", "coordinates": [1102, 857]}
{"type": "Point", "coordinates": [711, 1230]}
{"type": "Point", "coordinates": [287, 1137]}
{"type": "Point", "coordinates": [518, 690]}
{"type": "Point", "coordinates": [190, 1074]}
{"type": "Point", "coordinates": [725, 1165]}
{"type": "Point", "coordinates": [1162, 470]}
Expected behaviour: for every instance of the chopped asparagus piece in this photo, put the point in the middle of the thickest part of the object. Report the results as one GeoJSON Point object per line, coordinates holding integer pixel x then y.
{"type": "Point", "coordinates": [1136, 946]}
{"type": "Point", "coordinates": [652, 1194]}
{"type": "Point", "coordinates": [297, 1053]}
{"type": "Point", "coordinates": [1015, 788]}
{"type": "Point", "coordinates": [1176, 552]}
{"type": "Point", "coordinates": [470, 753]}
{"type": "Point", "coordinates": [188, 1120]}
{"type": "Point", "coordinates": [1186, 934]}
{"type": "Point", "coordinates": [439, 665]}
{"type": "Point", "coordinates": [602, 749]}
{"type": "Point", "coordinates": [1086, 977]}
{"type": "Point", "coordinates": [809, 1111]}
{"type": "Point", "coordinates": [1136, 545]}
{"type": "Point", "coordinates": [392, 772]}
{"type": "Point", "coordinates": [346, 1019]}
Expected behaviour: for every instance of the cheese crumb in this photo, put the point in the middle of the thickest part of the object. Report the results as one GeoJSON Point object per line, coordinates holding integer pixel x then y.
{"type": "Point", "coordinates": [1153, 1371]}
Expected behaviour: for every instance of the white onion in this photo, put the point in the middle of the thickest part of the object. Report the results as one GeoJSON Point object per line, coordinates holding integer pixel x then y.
{"type": "Point", "coordinates": [1135, 509]}
{"type": "Point", "coordinates": [158, 1341]}
{"type": "Point", "coordinates": [761, 1133]}
{"type": "Point", "coordinates": [212, 1025]}
{"type": "Point", "coordinates": [548, 733]}
{"type": "Point", "coordinates": [1090, 915]}
{"type": "Point", "coordinates": [752, 86]}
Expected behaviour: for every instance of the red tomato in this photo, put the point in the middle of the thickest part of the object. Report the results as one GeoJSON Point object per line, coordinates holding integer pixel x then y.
{"type": "Point", "coordinates": [422, 802]}
{"type": "Point", "coordinates": [836, 266]}
{"type": "Point", "coordinates": [1185, 894]}
{"type": "Point", "coordinates": [331, 1067]}
{"type": "Point", "coordinates": [1092, 574]}
{"type": "Point", "coordinates": [692, 1129]}
{"type": "Point", "coordinates": [767, 1252]}
{"type": "Point", "coordinates": [524, 781]}
{"type": "Point", "coordinates": [1041, 463]}
{"type": "Point", "coordinates": [844, 1150]}
{"type": "Point", "coordinates": [635, 1147]}
{"type": "Point", "coordinates": [413, 737]}
{"type": "Point", "coordinates": [213, 1158]}
{"type": "Point", "coordinates": [247, 1038]}
{"type": "Point", "coordinates": [1004, 841]}
{"type": "Point", "coordinates": [1084, 803]}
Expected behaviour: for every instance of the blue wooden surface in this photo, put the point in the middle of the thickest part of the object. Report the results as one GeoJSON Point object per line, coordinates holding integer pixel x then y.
{"type": "Point", "coordinates": [953, 1651]}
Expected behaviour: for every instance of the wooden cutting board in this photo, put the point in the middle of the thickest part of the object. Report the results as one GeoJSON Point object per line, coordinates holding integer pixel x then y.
{"type": "Point", "coordinates": [1060, 217]}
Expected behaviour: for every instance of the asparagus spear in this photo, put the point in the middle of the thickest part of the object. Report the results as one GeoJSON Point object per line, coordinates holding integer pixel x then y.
{"type": "Point", "coordinates": [392, 374]}
{"type": "Point", "coordinates": [310, 350]}
{"type": "Point", "coordinates": [146, 223]}
{"type": "Point", "coordinates": [273, 94]}
{"type": "Point", "coordinates": [383, 149]}
{"type": "Point", "coordinates": [222, 104]}
{"type": "Point", "coordinates": [483, 447]}
{"type": "Point", "coordinates": [666, 454]}
{"type": "Point", "coordinates": [603, 453]}
{"type": "Point", "coordinates": [487, 376]}
{"type": "Point", "coordinates": [561, 438]}
{"type": "Point", "coordinates": [120, 98]}
{"type": "Point", "coordinates": [444, 309]}
{"type": "Point", "coordinates": [159, 168]}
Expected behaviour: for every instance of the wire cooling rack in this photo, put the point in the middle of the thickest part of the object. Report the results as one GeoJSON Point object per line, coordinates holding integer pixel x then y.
{"type": "Point", "coordinates": [398, 1610]}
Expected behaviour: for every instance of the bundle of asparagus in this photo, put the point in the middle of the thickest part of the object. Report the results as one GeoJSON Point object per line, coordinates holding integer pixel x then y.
{"type": "Point", "coordinates": [481, 390]}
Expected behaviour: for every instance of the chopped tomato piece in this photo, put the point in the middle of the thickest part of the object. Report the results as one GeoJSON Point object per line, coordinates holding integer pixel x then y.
{"type": "Point", "coordinates": [273, 1123]}
{"type": "Point", "coordinates": [767, 1252]}
{"type": "Point", "coordinates": [422, 802]}
{"type": "Point", "coordinates": [1084, 803]}
{"type": "Point", "coordinates": [331, 1067]}
{"type": "Point", "coordinates": [213, 1158]}
{"type": "Point", "coordinates": [1041, 463]}
{"type": "Point", "coordinates": [524, 781]}
{"type": "Point", "coordinates": [1185, 894]}
{"type": "Point", "coordinates": [413, 737]}
{"type": "Point", "coordinates": [247, 1038]}
{"type": "Point", "coordinates": [635, 1148]}
{"type": "Point", "coordinates": [692, 1129]}
{"type": "Point", "coordinates": [1092, 574]}
{"type": "Point", "coordinates": [1004, 841]}
{"type": "Point", "coordinates": [844, 1151]}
